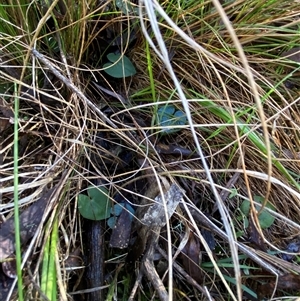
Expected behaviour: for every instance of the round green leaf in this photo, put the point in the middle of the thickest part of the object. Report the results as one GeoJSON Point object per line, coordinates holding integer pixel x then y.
{"type": "Point", "coordinates": [265, 218]}
{"type": "Point", "coordinates": [166, 111]}
{"type": "Point", "coordinates": [168, 116]}
{"type": "Point", "coordinates": [180, 118]}
{"type": "Point", "coordinates": [120, 66]}
{"type": "Point", "coordinates": [117, 209]}
{"type": "Point", "coordinates": [96, 205]}
{"type": "Point", "coordinates": [112, 57]}
{"type": "Point", "coordinates": [111, 222]}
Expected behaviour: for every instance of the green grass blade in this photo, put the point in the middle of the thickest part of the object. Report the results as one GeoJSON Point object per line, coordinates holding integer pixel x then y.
{"type": "Point", "coordinates": [16, 198]}
{"type": "Point", "coordinates": [48, 278]}
{"type": "Point", "coordinates": [44, 276]}
{"type": "Point", "coordinates": [255, 138]}
{"type": "Point", "coordinates": [244, 288]}
{"type": "Point", "coordinates": [51, 283]}
{"type": "Point", "coordinates": [150, 71]}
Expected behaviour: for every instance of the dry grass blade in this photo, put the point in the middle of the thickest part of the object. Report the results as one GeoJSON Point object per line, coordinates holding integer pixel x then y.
{"type": "Point", "coordinates": [71, 86]}
{"type": "Point", "coordinates": [213, 107]}
{"type": "Point", "coordinates": [165, 58]}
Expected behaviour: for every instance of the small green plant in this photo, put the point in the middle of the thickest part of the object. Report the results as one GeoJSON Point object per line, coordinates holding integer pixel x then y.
{"type": "Point", "coordinates": [48, 276]}
{"type": "Point", "coordinates": [119, 66]}
{"type": "Point", "coordinates": [96, 205]}
{"type": "Point", "coordinates": [233, 193]}
{"type": "Point", "coordinates": [265, 218]}
{"type": "Point", "coordinates": [127, 8]}
{"type": "Point", "coordinates": [116, 211]}
{"type": "Point", "coordinates": [226, 263]}
{"type": "Point", "coordinates": [168, 116]}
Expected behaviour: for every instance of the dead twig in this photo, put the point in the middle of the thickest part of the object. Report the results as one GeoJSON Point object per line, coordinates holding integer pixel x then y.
{"type": "Point", "coordinates": [152, 221]}
{"type": "Point", "coordinates": [186, 276]}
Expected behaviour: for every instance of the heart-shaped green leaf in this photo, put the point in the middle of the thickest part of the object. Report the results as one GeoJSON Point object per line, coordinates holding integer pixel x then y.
{"type": "Point", "coordinates": [96, 205]}
{"type": "Point", "coordinates": [168, 116]}
{"type": "Point", "coordinates": [119, 66]}
{"type": "Point", "coordinates": [265, 218]}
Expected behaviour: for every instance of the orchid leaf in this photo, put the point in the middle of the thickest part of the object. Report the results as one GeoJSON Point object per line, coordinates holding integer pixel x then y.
{"type": "Point", "coordinates": [119, 66]}
{"type": "Point", "coordinates": [96, 205]}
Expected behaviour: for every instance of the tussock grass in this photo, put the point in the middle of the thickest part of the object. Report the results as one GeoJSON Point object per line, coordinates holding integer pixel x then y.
{"type": "Point", "coordinates": [223, 64]}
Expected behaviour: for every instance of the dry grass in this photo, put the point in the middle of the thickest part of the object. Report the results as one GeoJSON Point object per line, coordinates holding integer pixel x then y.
{"type": "Point", "coordinates": [242, 117]}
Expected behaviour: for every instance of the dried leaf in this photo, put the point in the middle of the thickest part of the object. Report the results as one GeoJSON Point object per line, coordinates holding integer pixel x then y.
{"type": "Point", "coordinates": [285, 282]}
{"type": "Point", "coordinates": [173, 149]}
{"type": "Point", "coordinates": [74, 261]}
{"type": "Point", "coordinates": [153, 218]}
{"type": "Point", "coordinates": [254, 236]}
{"type": "Point", "coordinates": [4, 124]}
{"type": "Point", "coordinates": [5, 109]}
{"type": "Point", "coordinates": [30, 219]}
{"type": "Point", "coordinates": [9, 267]}
{"type": "Point", "coordinates": [209, 238]}
{"type": "Point", "coordinates": [191, 258]}
{"type": "Point", "coordinates": [7, 112]}
{"type": "Point", "coordinates": [155, 215]}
